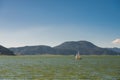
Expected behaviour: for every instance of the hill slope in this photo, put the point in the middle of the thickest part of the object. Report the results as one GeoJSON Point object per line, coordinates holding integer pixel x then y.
{"type": "Point", "coordinates": [5, 51]}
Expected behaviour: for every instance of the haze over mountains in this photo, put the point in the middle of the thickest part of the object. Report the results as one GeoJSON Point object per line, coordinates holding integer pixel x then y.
{"type": "Point", "coordinates": [66, 48]}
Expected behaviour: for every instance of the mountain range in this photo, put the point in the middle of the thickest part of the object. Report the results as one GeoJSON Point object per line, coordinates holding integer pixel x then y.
{"type": "Point", "coordinates": [115, 49]}
{"type": "Point", "coordinates": [66, 48]}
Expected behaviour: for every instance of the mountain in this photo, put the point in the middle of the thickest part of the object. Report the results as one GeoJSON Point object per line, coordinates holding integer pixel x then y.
{"type": "Point", "coordinates": [115, 49]}
{"type": "Point", "coordinates": [86, 48]}
{"type": "Point", "coordinates": [66, 48]}
{"type": "Point", "coordinates": [5, 51]}
{"type": "Point", "coordinates": [41, 49]}
{"type": "Point", "coordinates": [33, 50]}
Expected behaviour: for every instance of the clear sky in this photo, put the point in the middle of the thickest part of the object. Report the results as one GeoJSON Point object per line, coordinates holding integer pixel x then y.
{"type": "Point", "coordinates": [51, 22]}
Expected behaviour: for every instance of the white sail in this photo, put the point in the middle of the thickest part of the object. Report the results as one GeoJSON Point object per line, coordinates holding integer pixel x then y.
{"type": "Point", "coordinates": [77, 56]}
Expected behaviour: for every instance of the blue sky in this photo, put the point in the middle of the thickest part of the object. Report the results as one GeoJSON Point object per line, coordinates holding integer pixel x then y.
{"type": "Point", "coordinates": [51, 22]}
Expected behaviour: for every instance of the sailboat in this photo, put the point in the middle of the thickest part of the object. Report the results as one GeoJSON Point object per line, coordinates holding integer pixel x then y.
{"type": "Point", "coordinates": [77, 57]}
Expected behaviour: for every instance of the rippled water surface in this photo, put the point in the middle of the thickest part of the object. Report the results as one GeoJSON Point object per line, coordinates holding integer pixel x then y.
{"type": "Point", "coordinates": [51, 67]}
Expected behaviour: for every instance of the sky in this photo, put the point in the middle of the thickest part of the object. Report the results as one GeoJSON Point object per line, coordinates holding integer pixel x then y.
{"type": "Point", "coordinates": [52, 22]}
